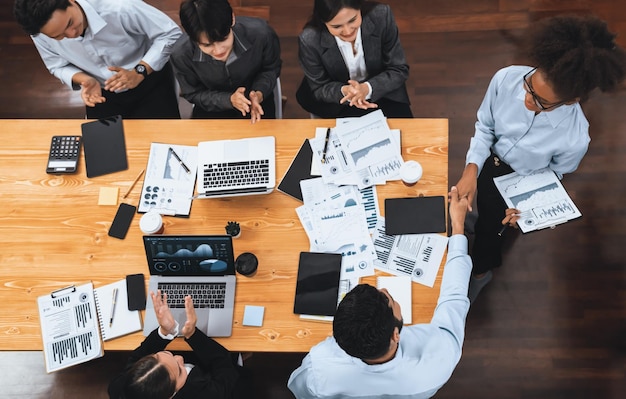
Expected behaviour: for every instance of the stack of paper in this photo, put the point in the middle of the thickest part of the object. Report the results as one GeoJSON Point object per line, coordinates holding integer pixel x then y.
{"type": "Point", "coordinates": [416, 255]}
{"type": "Point", "coordinates": [359, 151]}
{"type": "Point", "coordinates": [335, 220]}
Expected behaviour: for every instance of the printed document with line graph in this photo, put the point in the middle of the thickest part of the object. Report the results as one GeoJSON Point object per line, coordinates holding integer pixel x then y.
{"type": "Point", "coordinates": [540, 197]}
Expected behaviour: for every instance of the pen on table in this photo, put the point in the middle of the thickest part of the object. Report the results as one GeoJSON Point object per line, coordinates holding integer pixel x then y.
{"type": "Point", "coordinates": [113, 306]}
{"type": "Point", "coordinates": [325, 145]}
{"type": "Point", "coordinates": [133, 185]}
{"type": "Point", "coordinates": [180, 161]}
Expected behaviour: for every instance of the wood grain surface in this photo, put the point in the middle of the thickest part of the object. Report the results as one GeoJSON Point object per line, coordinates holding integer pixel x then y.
{"type": "Point", "coordinates": [54, 233]}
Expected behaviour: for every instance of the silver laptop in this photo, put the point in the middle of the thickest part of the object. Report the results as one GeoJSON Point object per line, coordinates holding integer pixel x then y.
{"type": "Point", "coordinates": [229, 168]}
{"type": "Point", "coordinates": [200, 266]}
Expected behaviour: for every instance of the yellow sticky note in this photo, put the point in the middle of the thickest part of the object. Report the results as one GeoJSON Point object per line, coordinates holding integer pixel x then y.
{"type": "Point", "coordinates": [108, 195]}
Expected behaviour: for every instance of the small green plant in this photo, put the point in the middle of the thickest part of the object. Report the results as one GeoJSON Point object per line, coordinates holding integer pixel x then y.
{"type": "Point", "coordinates": [233, 229]}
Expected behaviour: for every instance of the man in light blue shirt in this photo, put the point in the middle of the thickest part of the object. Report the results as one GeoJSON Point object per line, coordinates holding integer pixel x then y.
{"type": "Point", "coordinates": [371, 354]}
{"type": "Point", "coordinates": [531, 119]}
{"type": "Point", "coordinates": [115, 51]}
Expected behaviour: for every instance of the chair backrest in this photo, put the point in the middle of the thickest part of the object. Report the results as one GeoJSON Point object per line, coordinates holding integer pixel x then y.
{"type": "Point", "coordinates": [185, 108]}
{"type": "Point", "coordinates": [278, 99]}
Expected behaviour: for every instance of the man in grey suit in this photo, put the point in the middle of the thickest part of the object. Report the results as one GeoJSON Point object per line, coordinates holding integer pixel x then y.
{"type": "Point", "coordinates": [352, 60]}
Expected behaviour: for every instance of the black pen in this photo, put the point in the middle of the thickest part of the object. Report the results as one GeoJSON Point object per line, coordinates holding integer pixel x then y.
{"type": "Point", "coordinates": [180, 161]}
{"type": "Point", "coordinates": [504, 227]}
{"type": "Point", "coordinates": [325, 145]}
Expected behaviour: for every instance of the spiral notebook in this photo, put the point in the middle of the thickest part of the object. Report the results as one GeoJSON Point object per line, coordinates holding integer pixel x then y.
{"type": "Point", "coordinates": [124, 321]}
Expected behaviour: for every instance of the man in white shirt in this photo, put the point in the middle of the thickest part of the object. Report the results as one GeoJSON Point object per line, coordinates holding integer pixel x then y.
{"type": "Point", "coordinates": [115, 51]}
{"type": "Point", "coordinates": [371, 355]}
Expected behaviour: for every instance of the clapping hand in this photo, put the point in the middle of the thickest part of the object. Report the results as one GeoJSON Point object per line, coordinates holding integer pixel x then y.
{"type": "Point", "coordinates": [165, 318]}
{"type": "Point", "coordinates": [354, 93]}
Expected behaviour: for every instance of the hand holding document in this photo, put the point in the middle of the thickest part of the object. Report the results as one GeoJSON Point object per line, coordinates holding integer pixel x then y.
{"type": "Point", "coordinates": [540, 197]}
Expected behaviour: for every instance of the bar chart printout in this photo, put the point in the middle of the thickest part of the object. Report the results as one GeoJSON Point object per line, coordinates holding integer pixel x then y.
{"type": "Point", "coordinates": [540, 197]}
{"type": "Point", "coordinates": [69, 327]}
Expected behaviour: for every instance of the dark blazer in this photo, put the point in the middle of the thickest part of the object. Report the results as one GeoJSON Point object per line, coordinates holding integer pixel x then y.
{"type": "Point", "coordinates": [213, 376]}
{"type": "Point", "coordinates": [387, 70]}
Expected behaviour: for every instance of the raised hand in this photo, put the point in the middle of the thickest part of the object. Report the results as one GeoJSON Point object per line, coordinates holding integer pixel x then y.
{"type": "Point", "coordinates": [256, 110]}
{"type": "Point", "coordinates": [91, 92]}
{"type": "Point", "coordinates": [190, 324]}
{"type": "Point", "coordinates": [240, 102]}
{"type": "Point", "coordinates": [163, 313]}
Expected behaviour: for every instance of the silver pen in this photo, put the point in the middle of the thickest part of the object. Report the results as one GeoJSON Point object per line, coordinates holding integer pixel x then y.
{"type": "Point", "coordinates": [113, 307]}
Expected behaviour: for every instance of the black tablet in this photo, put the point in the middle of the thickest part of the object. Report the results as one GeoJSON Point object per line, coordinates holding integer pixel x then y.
{"type": "Point", "coordinates": [104, 146]}
{"type": "Point", "coordinates": [300, 169]}
{"type": "Point", "coordinates": [418, 215]}
{"type": "Point", "coordinates": [317, 287]}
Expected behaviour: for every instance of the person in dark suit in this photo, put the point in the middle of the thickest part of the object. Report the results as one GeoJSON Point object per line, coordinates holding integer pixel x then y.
{"type": "Point", "coordinates": [155, 373]}
{"type": "Point", "coordinates": [227, 67]}
{"type": "Point", "coordinates": [352, 60]}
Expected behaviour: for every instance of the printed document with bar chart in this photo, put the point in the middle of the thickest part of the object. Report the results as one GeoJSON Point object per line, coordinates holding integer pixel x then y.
{"type": "Point", "coordinates": [540, 197]}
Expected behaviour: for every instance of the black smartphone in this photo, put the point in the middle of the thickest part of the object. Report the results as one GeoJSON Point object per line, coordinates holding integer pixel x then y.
{"type": "Point", "coordinates": [121, 221]}
{"type": "Point", "coordinates": [136, 288]}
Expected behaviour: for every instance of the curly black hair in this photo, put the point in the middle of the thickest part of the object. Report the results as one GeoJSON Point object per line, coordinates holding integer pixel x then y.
{"type": "Point", "coordinates": [364, 323]}
{"type": "Point", "coordinates": [32, 15]}
{"type": "Point", "coordinates": [577, 54]}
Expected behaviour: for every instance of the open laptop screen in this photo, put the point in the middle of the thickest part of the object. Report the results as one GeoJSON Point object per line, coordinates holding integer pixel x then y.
{"type": "Point", "coordinates": [190, 255]}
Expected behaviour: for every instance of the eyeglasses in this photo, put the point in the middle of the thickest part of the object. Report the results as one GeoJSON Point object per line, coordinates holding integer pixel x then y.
{"type": "Point", "coordinates": [538, 102]}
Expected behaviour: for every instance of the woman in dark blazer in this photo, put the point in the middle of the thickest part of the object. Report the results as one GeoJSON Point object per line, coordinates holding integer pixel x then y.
{"type": "Point", "coordinates": [154, 373]}
{"type": "Point", "coordinates": [352, 60]}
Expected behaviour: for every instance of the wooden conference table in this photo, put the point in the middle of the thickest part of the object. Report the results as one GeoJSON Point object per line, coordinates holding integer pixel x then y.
{"type": "Point", "coordinates": [54, 234]}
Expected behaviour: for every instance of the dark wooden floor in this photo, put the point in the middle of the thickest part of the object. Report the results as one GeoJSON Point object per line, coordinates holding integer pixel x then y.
{"type": "Point", "coordinates": [552, 324]}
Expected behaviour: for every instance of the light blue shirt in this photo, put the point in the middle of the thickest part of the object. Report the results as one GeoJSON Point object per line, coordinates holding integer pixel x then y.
{"type": "Point", "coordinates": [557, 139]}
{"type": "Point", "coordinates": [119, 33]}
{"type": "Point", "coordinates": [426, 356]}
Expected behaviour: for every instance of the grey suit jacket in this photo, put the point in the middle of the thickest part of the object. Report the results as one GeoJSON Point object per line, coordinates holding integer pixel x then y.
{"type": "Point", "coordinates": [386, 65]}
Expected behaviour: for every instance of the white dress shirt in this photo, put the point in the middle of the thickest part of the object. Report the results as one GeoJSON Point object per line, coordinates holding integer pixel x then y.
{"type": "Point", "coordinates": [427, 353]}
{"type": "Point", "coordinates": [354, 58]}
{"type": "Point", "coordinates": [119, 33]}
{"type": "Point", "coordinates": [557, 138]}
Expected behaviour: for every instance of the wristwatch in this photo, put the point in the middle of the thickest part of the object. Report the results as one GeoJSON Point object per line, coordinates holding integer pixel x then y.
{"type": "Point", "coordinates": [142, 70]}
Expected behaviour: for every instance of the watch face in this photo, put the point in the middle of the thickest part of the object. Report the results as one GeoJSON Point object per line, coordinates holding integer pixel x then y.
{"type": "Point", "coordinates": [140, 69]}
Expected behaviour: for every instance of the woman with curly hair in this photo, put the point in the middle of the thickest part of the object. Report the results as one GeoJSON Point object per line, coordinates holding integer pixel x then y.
{"type": "Point", "coordinates": [531, 119]}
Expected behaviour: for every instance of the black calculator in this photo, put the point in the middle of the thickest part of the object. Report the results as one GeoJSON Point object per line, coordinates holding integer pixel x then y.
{"type": "Point", "coordinates": [64, 154]}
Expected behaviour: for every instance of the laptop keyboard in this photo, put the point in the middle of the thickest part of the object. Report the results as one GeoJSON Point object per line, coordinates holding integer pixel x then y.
{"type": "Point", "coordinates": [204, 295]}
{"type": "Point", "coordinates": [229, 174]}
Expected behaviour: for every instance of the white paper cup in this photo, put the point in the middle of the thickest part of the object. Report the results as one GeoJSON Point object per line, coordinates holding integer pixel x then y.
{"type": "Point", "coordinates": [411, 172]}
{"type": "Point", "coordinates": [151, 223]}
